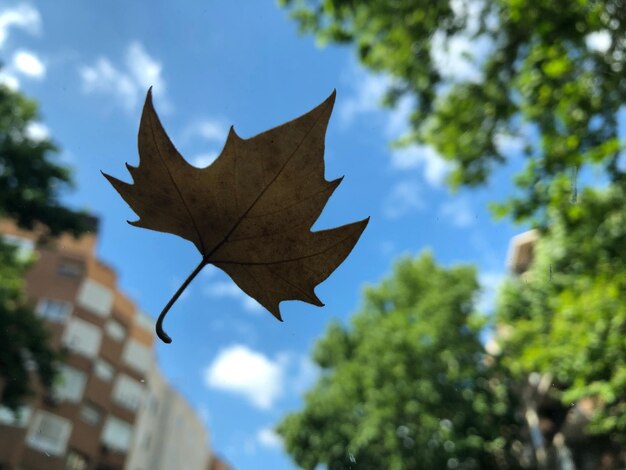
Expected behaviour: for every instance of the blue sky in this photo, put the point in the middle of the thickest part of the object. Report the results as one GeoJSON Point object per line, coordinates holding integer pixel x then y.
{"type": "Point", "coordinates": [213, 64]}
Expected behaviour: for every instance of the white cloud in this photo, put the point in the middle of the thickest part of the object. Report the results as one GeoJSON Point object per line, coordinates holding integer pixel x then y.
{"type": "Point", "coordinates": [127, 84]}
{"type": "Point", "coordinates": [37, 131]}
{"type": "Point", "coordinates": [268, 438]}
{"type": "Point", "coordinates": [213, 130]}
{"type": "Point", "coordinates": [204, 159]}
{"type": "Point", "coordinates": [490, 282]}
{"type": "Point", "coordinates": [398, 117]}
{"type": "Point", "coordinates": [104, 78]}
{"type": "Point", "coordinates": [458, 212]}
{"type": "Point", "coordinates": [206, 129]}
{"type": "Point", "coordinates": [259, 379]}
{"type": "Point", "coordinates": [243, 371]}
{"type": "Point", "coordinates": [27, 63]}
{"type": "Point", "coordinates": [404, 198]}
{"type": "Point", "coordinates": [508, 144]}
{"type": "Point", "coordinates": [460, 57]}
{"type": "Point", "coordinates": [222, 289]}
{"type": "Point", "coordinates": [145, 70]}
{"type": "Point", "coordinates": [366, 100]}
{"type": "Point", "coordinates": [251, 305]}
{"type": "Point", "coordinates": [209, 271]}
{"type": "Point", "coordinates": [368, 93]}
{"type": "Point", "coordinates": [598, 41]}
{"type": "Point", "coordinates": [457, 58]}
{"type": "Point", "coordinates": [22, 16]}
{"type": "Point", "coordinates": [433, 166]}
{"type": "Point", "coordinates": [229, 289]}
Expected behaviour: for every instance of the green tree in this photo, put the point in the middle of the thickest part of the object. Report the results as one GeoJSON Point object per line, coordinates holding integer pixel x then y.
{"type": "Point", "coordinates": [30, 182]}
{"type": "Point", "coordinates": [408, 384]}
{"type": "Point", "coordinates": [567, 315]}
{"type": "Point", "coordinates": [549, 73]}
{"type": "Point", "coordinates": [23, 337]}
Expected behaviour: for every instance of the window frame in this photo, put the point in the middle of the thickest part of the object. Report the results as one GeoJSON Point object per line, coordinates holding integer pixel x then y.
{"type": "Point", "coordinates": [63, 392]}
{"type": "Point", "coordinates": [100, 363]}
{"type": "Point", "coordinates": [105, 435]}
{"type": "Point", "coordinates": [87, 407]}
{"type": "Point", "coordinates": [43, 306]}
{"type": "Point", "coordinates": [89, 348]}
{"type": "Point", "coordinates": [36, 440]}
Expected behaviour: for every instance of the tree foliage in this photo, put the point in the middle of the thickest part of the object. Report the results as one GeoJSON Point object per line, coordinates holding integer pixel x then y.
{"type": "Point", "coordinates": [30, 185]}
{"type": "Point", "coordinates": [549, 74]}
{"type": "Point", "coordinates": [542, 87]}
{"type": "Point", "coordinates": [406, 385]}
{"type": "Point", "coordinates": [23, 337]}
{"type": "Point", "coordinates": [568, 314]}
{"type": "Point", "coordinates": [30, 180]}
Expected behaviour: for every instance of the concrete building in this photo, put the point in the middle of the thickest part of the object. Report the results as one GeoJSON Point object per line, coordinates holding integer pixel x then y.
{"type": "Point", "coordinates": [169, 434]}
{"type": "Point", "coordinates": [110, 408]}
{"type": "Point", "coordinates": [521, 249]}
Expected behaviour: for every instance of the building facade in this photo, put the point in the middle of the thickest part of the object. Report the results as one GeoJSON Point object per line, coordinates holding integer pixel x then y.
{"type": "Point", "coordinates": [110, 409]}
{"type": "Point", "coordinates": [169, 433]}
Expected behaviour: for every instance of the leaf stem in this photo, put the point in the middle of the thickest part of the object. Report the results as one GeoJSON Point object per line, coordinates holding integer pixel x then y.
{"type": "Point", "coordinates": [159, 324]}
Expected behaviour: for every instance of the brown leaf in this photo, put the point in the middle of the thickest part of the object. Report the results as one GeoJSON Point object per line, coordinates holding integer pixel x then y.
{"type": "Point", "coordinates": [250, 212]}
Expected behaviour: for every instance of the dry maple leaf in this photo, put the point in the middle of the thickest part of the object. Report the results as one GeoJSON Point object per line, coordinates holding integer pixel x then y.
{"type": "Point", "coordinates": [249, 212]}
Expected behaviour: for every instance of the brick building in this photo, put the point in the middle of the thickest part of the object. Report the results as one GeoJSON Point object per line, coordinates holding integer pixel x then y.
{"type": "Point", "coordinates": [110, 408]}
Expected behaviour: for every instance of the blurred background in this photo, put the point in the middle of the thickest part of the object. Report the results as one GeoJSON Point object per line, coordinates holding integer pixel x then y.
{"type": "Point", "coordinates": [478, 323]}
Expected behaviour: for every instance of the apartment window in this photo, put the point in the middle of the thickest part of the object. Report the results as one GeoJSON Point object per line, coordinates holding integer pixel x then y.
{"type": "Point", "coordinates": [76, 461]}
{"type": "Point", "coordinates": [54, 310]}
{"type": "Point", "coordinates": [103, 370]}
{"type": "Point", "coordinates": [127, 392]}
{"type": "Point", "coordinates": [90, 414]}
{"type": "Point", "coordinates": [19, 419]}
{"type": "Point", "coordinates": [115, 330]}
{"type": "Point", "coordinates": [49, 433]}
{"type": "Point", "coordinates": [71, 268]}
{"type": "Point", "coordinates": [137, 356]}
{"type": "Point", "coordinates": [95, 297]}
{"type": "Point", "coordinates": [144, 321]}
{"type": "Point", "coordinates": [117, 434]}
{"type": "Point", "coordinates": [71, 384]}
{"type": "Point", "coordinates": [82, 337]}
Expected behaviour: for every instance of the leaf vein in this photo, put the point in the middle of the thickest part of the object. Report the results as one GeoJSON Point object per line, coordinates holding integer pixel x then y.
{"type": "Point", "coordinates": [243, 216]}
{"type": "Point", "coordinates": [290, 260]}
{"type": "Point", "coordinates": [169, 173]}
